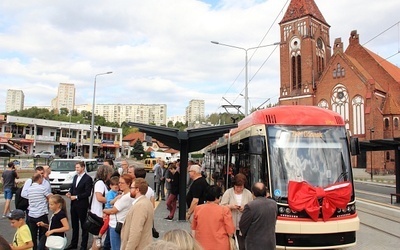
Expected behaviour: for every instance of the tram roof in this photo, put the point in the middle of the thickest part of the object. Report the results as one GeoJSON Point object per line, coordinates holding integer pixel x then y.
{"type": "Point", "coordinates": [293, 115]}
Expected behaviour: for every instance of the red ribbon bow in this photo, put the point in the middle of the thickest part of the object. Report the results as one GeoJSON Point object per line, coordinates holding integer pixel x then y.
{"type": "Point", "coordinates": [303, 196]}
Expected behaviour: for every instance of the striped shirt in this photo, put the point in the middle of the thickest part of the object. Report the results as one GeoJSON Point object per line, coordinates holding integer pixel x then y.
{"type": "Point", "coordinates": [38, 204]}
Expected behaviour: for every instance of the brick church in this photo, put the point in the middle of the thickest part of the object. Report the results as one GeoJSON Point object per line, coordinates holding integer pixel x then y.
{"type": "Point", "coordinates": [354, 82]}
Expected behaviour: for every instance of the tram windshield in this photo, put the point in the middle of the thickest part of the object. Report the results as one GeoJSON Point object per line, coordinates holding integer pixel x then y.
{"type": "Point", "coordinates": [315, 154]}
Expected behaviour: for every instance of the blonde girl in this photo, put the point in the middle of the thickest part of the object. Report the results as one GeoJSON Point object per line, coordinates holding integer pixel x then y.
{"type": "Point", "coordinates": [59, 220]}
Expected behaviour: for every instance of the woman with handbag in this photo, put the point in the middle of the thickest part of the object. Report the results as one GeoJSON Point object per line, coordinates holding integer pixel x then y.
{"type": "Point", "coordinates": [56, 239]}
{"type": "Point", "coordinates": [235, 198]}
{"type": "Point", "coordinates": [119, 211]}
{"type": "Point", "coordinates": [212, 224]}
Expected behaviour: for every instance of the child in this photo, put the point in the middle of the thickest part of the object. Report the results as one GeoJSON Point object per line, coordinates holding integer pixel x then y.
{"type": "Point", "coordinates": [23, 237]}
{"type": "Point", "coordinates": [58, 221]}
{"type": "Point", "coordinates": [110, 200]}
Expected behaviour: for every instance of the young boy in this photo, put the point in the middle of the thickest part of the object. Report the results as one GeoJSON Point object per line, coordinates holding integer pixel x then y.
{"type": "Point", "coordinates": [22, 238]}
{"type": "Point", "coordinates": [110, 200]}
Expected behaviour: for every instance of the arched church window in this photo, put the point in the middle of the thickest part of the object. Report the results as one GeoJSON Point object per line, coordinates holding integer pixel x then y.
{"type": "Point", "coordinates": [334, 73]}
{"type": "Point", "coordinates": [396, 123]}
{"type": "Point", "coordinates": [358, 115]}
{"type": "Point", "coordinates": [386, 123]}
{"type": "Point", "coordinates": [323, 104]}
{"type": "Point", "coordinates": [343, 72]}
{"type": "Point", "coordinates": [340, 101]}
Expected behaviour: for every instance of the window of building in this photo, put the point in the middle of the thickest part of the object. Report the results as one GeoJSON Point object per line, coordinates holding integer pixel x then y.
{"type": "Point", "coordinates": [358, 115]}
{"type": "Point", "coordinates": [396, 123]}
{"type": "Point", "coordinates": [340, 101]}
{"type": "Point", "coordinates": [387, 153]}
{"type": "Point", "coordinates": [39, 131]}
{"type": "Point", "coordinates": [323, 104]}
{"type": "Point", "coordinates": [386, 123]}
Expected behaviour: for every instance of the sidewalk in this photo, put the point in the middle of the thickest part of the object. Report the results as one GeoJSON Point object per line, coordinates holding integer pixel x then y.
{"type": "Point", "coordinates": [163, 225]}
{"type": "Point", "coordinates": [360, 174]}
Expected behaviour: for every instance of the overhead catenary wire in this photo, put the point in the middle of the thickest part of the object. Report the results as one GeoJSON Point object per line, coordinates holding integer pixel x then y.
{"type": "Point", "coordinates": [262, 40]}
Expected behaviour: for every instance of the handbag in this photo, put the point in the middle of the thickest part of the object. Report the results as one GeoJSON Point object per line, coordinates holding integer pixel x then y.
{"type": "Point", "coordinates": [232, 243]}
{"type": "Point", "coordinates": [55, 242]}
{"type": "Point", "coordinates": [93, 223]}
{"type": "Point", "coordinates": [155, 233]}
{"type": "Point", "coordinates": [118, 228]}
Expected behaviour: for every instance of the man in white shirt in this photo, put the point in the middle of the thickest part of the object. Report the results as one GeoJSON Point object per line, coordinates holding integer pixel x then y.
{"type": "Point", "coordinates": [38, 196]}
{"type": "Point", "coordinates": [141, 173]}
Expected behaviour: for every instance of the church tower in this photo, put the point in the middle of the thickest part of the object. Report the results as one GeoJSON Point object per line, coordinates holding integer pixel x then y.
{"type": "Point", "coordinates": [304, 52]}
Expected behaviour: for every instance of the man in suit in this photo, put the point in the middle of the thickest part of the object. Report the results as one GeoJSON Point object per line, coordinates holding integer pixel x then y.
{"type": "Point", "coordinates": [137, 230]}
{"type": "Point", "coordinates": [258, 220]}
{"type": "Point", "coordinates": [79, 194]}
{"type": "Point", "coordinates": [159, 180]}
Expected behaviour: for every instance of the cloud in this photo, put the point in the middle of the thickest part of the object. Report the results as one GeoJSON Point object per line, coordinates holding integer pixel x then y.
{"type": "Point", "coordinates": [160, 51]}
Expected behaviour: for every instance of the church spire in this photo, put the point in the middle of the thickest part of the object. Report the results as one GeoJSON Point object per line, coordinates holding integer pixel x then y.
{"type": "Point", "coordinates": [302, 8]}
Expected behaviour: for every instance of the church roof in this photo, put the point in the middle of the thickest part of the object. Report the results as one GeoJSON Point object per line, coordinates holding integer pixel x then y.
{"type": "Point", "coordinates": [390, 68]}
{"type": "Point", "coordinates": [301, 8]}
{"type": "Point", "coordinates": [391, 107]}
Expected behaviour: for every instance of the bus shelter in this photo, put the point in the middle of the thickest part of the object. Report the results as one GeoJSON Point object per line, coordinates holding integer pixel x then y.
{"type": "Point", "coordinates": [385, 145]}
{"type": "Point", "coordinates": [185, 141]}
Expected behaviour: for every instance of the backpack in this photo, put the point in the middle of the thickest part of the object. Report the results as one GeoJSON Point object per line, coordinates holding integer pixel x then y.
{"type": "Point", "coordinates": [20, 202]}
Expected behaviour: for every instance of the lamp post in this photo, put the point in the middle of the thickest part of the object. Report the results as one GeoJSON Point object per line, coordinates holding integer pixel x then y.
{"type": "Point", "coordinates": [92, 123]}
{"type": "Point", "coordinates": [246, 94]}
{"type": "Point", "coordinates": [69, 135]}
{"type": "Point", "coordinates": [371, 132]}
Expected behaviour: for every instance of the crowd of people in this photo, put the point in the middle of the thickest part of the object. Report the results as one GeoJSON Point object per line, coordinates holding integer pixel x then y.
{"type": "Point", "coordinates": [124, 203]}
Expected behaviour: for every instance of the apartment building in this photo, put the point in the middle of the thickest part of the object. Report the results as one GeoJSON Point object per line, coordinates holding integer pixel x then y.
{"type": "Point", "coordinates": [141, 113]}
{"type": "Point", "coordinates": [14, 100]}
{"type": "Point", "coordinates": [195, 111]}
{"type": "Point", "coordinates": [65, 97]}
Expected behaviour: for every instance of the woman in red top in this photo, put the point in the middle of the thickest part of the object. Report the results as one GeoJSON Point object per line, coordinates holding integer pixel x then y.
{"type": "Point", "coordinates": [212, 224]}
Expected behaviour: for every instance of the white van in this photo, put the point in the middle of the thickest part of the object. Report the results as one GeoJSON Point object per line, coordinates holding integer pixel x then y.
{"type": "Point", "coordinates": [63, 172]}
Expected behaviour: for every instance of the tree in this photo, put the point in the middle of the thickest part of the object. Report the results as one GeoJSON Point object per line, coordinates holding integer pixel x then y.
{"type": "Point", "coordinates": [138, 150]}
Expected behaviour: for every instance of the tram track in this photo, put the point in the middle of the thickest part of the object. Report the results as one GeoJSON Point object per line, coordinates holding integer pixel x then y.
{"type": "Point", "coordinates": [385, 220]}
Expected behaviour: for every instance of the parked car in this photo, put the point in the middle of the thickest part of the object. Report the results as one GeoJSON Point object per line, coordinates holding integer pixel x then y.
{"type": "Point", "coordinates": [6, 153]}
{"type": "Point", "coordinates": [44, 154]}
{"type": "Point", "coordinates": [63, 172]}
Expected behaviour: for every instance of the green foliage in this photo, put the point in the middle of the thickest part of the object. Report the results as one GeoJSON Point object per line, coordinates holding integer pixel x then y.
{"type": "Point", "coordinates": [138, 150]}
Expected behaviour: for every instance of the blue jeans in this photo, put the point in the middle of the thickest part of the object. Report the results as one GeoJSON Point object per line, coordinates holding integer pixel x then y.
{"type": "Point", "coordinates": [115, 238]}
{"type": "Point", "coordinates": [8, 194]}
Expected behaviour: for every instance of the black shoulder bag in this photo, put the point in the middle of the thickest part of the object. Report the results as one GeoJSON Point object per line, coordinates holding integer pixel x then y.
{"type": "Point", "coordinates": [93, 222]}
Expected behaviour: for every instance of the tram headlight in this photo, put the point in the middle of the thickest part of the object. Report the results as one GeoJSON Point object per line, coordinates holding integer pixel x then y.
{"type": "Point", "coordinates": [281, 210]}
{"type": "Point", "coordinates": [349, 209]}
{"type": "Point", "coordinates": [353, 208]}
{"type": "Point", "coordinates": [288, 210]}
{"type": "Point", "coordinates": [339, 210]}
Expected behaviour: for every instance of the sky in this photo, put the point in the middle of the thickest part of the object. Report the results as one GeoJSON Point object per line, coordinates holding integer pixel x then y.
{"type": "Point", "coordinates": [160, 51]}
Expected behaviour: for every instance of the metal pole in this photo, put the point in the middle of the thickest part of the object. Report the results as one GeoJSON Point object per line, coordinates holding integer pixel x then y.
{"type": "Point", "coordinates": [246, 96]}
{"type": "Point", "coordinates": [246, 87]}
{"type": "Point", "coordinates": [371, 133]}
{"type": "Point", "coordinates": [92, 122]}
{"type": "Point", "coordinates": [69, 135]}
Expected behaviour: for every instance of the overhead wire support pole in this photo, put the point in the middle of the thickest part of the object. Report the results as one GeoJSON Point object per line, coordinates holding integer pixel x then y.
{"type": "Point", "coordinates": [246, 94]}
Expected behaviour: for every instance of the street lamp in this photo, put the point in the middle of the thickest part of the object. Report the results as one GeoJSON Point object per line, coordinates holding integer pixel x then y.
{"type": "Point", "coordinates": [92, 123]}
{"type": "Point", "coordinates": [371, 132]}
{"type": "Point", "coordinates": [69, 135]}
{"type": "Point", "coordinates": [246, 94]}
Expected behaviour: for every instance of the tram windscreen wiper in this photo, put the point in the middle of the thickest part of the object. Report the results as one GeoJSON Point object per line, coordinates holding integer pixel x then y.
{"type": "Point", "coordinates": [344, 172]}
{"type": "Point", "coordinates": [342, 175]}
